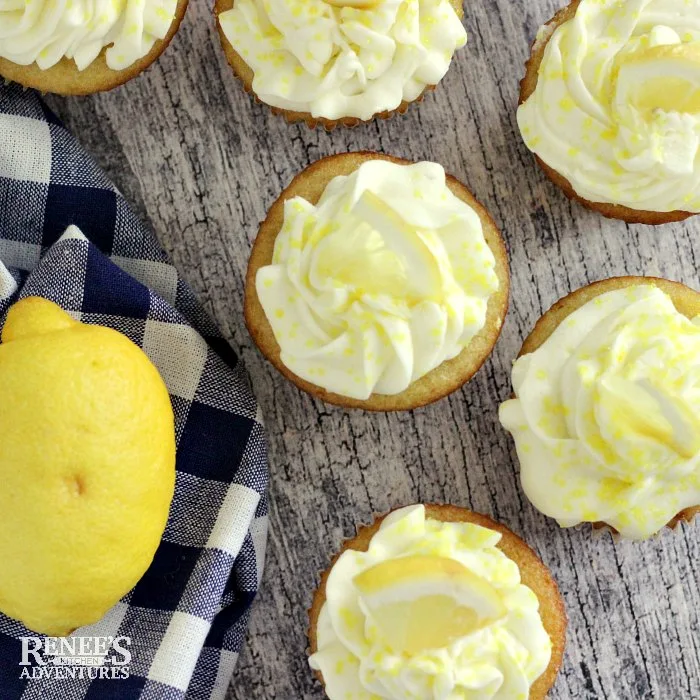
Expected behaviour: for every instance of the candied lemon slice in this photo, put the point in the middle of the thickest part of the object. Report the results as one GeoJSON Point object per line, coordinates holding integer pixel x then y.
{"type": "Point", "coordinates": [638, 407]}
{"type": "Point", "coordinates": [427, 602]}
{"type": "Point", "coordinates": [665, 78]}
{"type": "Point", "coordinates": [377, 252]}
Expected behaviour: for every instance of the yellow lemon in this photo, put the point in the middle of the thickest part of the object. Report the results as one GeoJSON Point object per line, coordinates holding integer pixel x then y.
{"type": "Point", "coordinates": [427, 602]}
{"type": "Point", "coordinates": [87, 467]}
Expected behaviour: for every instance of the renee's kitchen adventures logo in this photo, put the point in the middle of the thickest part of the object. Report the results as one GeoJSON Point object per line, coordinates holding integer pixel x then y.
{"type": "Point", "coordinates": [75, 657]}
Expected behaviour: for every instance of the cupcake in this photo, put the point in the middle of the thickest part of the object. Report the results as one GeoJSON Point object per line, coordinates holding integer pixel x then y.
{"type": "Point", "coordinates": [376, 283]}
{"type": "Point", "coordinates": [335, 62]}
{"type": "Point", "coordinates": [78, 47]}
{"type": "Point", "coordinates": [610, 105]}
{"type": "Point", "coordinates": [433, 602]}
{"type": "Point", "coordinates": [606, 413]}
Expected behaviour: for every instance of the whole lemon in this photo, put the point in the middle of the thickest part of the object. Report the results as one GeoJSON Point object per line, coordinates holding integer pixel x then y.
{"type": "Point", "coordinates": [87, 467]}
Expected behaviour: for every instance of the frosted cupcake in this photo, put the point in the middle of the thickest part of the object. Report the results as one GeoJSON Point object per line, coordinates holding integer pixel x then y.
{"type": "Point", "coordinates": [77, 47]}
{"type": "Point", "coordinates": [610, 105]}
{"type": "Point", "coordinates": [376, 283]}
{"type": "Point", "coordinates": [335, 62]}
{"type": "Point", "coordinates": [436, 602]}
{"type": "Point", "coordinates": [606, 414]}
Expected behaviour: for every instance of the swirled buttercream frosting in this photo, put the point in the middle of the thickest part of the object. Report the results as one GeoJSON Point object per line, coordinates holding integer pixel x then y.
{"type": "Point", "coordinates": [616, 109]}
{"type": "Point", "coordinates": [343, 58]}
{"type": "Point", "coordinates": [45, 31]}
{"type": "Point", "coordinates": [381, 281]}
{"type": "Point", "coordinates": [396, 622]}
{"type": "Point", "coordinates": [606, 414]}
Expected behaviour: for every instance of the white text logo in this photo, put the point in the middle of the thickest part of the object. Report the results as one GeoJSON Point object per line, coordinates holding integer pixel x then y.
{"type": "Point", "coordinates": [75, 657]}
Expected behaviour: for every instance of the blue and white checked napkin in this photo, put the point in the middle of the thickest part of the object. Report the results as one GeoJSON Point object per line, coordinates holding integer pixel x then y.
{"type": "Point", "coordinates": [66, 234]}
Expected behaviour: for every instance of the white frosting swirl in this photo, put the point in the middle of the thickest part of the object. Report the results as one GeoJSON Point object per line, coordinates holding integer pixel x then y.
{"type": "Point", "coordinates": [384, 279]}
{"type": "Point", "coordinates": [606, 418]}
{"type": "Point", "coordinates": [318, 57]}
{"type": "Point", "coordinates": [499, 661]}
{"type": "Point", "coordinates": [45, 31]}
{"type": "Point", "coordinates": [616, 109]}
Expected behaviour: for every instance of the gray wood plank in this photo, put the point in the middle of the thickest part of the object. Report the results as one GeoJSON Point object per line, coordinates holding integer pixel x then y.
{"type": "Point", "coordinates": [202, 163]}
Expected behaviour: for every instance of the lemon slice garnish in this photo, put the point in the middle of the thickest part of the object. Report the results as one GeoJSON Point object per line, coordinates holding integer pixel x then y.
{"type": "Point", "coordinates": [637, 407]}
{"type": "Point", "coordinates": [426, 602]}
{"type": "Point", "coordinates": [665, 78]}
{"type": "Point", "coordinates": [377, 252]}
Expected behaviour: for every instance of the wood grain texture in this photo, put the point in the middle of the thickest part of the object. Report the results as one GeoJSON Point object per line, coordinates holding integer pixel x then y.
{"type": "Point", "coordinates": [202, 163]}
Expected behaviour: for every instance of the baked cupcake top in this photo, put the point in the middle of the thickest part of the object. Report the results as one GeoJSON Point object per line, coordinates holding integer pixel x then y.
{"type": "Point", "coordinates": [606, 418]}
{"type": "Point", "coordinates": [430, 610]}
{"type": "Point", "coordinates": [343, 58]}
{"type": "Point", "coordinates": [616, 109]}
{"type": "Point", "coordinates": [45, 31]}
{"type": "Point", "coordinates": [381, 281]}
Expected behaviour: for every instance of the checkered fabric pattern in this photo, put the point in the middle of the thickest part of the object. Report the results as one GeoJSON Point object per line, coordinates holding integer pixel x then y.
{"type": "Point", "coordinates": [66, 234]}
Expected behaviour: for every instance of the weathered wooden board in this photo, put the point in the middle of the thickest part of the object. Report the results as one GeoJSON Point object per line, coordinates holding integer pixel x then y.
{"type": "Point", "coordinates": [202, 163]}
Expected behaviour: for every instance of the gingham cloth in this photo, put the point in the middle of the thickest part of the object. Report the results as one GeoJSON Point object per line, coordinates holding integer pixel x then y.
{"type": "Point", "coordinates": [187, 616]}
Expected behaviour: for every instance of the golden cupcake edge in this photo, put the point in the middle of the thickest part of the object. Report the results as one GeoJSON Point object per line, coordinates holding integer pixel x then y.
{"type": "Point", "coordinates": [527, 87]}
{"type": "Point", "coordinates": [65, 79]}
{"type": "Point", "coordinates": [440, 382]}
{"type": "Point", "coordinates": [534, 574]}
